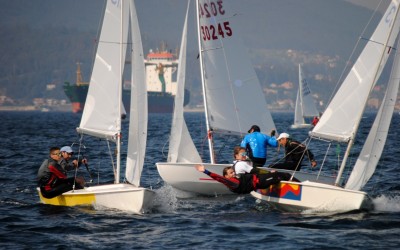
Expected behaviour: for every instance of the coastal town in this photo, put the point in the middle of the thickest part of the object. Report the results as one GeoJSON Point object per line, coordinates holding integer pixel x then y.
{"type": "Point", "coordinates": [279, 104]}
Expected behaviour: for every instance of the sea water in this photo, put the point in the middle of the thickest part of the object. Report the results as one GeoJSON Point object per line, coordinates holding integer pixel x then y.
{"type": "Point", "coordinates": [230, 222]}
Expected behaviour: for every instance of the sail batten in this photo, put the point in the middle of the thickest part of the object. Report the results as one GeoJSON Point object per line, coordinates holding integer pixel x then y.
{"type": "Point", "coordinates": [330, 137]}
{"type": "Point", "coordinates": [109, 135]}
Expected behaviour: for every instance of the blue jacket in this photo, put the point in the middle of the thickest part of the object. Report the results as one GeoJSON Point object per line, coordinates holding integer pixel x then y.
{"type": "Point", "coordinates": [258, 143]}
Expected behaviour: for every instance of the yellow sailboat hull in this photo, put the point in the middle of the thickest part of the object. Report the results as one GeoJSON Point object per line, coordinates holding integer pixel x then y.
{"type": "Point", "coordinates": [124, 197]}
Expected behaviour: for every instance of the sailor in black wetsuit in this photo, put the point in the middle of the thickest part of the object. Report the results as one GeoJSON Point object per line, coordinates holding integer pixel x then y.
{"type": "Point", "coordinates": [294, 154]}
{"type": "Point", "coordinates": [52, 178]}
{"type": "Point", "coordinates": [246, 183]}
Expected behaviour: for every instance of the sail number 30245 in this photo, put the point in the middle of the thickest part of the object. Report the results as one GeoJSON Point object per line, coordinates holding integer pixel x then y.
{"type": "Point", "coordinates": [216, 30]}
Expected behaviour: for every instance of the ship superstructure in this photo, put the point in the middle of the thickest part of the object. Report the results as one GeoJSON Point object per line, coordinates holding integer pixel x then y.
{"type": "Point", "coordinates": [161, 66]}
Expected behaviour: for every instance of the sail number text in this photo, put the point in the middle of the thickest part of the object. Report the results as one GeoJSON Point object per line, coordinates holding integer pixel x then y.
{"type": "Point", "coordinates": [215, 30]}
{"type": "Point", "coordinates": [212, 32]}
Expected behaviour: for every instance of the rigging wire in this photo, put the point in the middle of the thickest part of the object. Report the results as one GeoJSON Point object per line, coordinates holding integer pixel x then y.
{"type": "Point", "coordinates": [338, 83]}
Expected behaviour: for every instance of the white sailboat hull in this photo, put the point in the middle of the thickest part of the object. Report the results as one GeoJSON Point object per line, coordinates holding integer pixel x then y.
{"type": "Point", "coordinates": [303, 125]}
{"type": "Point", "coordinates": [317, 197]}
{"type": "Point", "coordinates": [184, 177]}
{"type": "Point", "coordinates": [125, 197]}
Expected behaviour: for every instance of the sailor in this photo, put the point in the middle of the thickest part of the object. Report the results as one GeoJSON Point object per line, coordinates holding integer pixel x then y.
{"type": "Point", "coordinates": [246, 183]}
{"type": "Point", "coordinates": [52, 179]}
{"type": "Point", "coordinates": [294, 154]}
{"type": "Point", "coordinates": [256, 144]}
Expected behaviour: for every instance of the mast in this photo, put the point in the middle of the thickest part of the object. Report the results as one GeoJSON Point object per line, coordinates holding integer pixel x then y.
{"type": "Point", "coordinates": [117, 175]}
{"type": "Point", "coordinates": [209, 132]}
{"type": "Point", "coordinates": [351, 141]}
{"type": "Point", "coordinates": [301, 94]}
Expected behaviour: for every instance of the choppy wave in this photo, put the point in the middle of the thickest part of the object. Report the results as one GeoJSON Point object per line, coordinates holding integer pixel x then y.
{"type": "Point", "coordinates": [386, 203]}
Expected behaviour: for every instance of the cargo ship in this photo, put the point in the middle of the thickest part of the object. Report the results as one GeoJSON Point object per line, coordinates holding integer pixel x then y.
{"type": "Point", "coordinates": [161, 66]}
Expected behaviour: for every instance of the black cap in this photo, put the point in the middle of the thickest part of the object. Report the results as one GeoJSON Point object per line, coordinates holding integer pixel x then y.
{"type": "Point", "coordinates": [255, 128]}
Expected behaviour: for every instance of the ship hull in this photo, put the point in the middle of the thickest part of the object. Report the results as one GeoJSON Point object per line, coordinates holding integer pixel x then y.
{"type": "Point", "coordinates": [158, 102]}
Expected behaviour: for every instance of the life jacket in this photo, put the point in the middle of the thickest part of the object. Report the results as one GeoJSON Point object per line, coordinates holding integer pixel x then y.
{"type": "Point", "coordinates": [51, 176]}
{"type": "Point", "coordinates": [246, 184]}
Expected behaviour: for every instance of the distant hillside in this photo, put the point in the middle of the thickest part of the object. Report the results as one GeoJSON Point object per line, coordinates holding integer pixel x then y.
{"type": "Point", "coordinates": [43, 39]}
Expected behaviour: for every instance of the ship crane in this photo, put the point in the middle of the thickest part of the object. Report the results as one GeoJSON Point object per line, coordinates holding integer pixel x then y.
{"type": "Point", "coordinates": [79, 80]}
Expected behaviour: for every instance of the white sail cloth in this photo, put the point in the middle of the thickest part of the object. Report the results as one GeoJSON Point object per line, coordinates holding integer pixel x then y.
{"type": "Point", "coordinates": [349, 102]}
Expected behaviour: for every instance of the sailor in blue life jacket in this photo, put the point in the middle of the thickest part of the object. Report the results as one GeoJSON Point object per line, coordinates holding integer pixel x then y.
{"type": "Point", "coordinates": [256, 144]}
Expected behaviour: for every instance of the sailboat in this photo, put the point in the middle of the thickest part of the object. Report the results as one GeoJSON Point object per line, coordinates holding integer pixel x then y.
{"type": "Point", "coordinates": [233, 101]}
{"type": "Point", "coordinates": [305, 106]}
{"type": "Point", "coordinates": [101, 116]}
{"type": "Point", "coordinates": [339, 124]}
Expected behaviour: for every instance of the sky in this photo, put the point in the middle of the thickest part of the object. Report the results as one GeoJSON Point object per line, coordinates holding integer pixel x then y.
{"type": "Point", "coordinates": [370, 4]}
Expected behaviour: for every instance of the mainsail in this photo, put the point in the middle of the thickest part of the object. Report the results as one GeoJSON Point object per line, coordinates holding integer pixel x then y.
{"type": "Point", "coordinates": [101, 116]}
{"type": "Point", "coordinates": [349, 102]}
{"type": "Point", "coordinates": [233, 97]}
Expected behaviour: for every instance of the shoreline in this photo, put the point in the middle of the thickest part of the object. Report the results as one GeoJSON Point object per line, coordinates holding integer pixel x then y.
{"type": "Point", "coordinates": [68, 109]}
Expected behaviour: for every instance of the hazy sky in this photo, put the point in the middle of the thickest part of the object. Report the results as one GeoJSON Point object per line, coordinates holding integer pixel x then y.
{"type": "Point", "coordinates": [370, 4]}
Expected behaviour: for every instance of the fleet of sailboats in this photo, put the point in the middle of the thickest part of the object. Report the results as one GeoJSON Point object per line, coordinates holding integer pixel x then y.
{"type": "Point", "coordinates": [101, 116]}
{"type": "Point", "coordinates": [233, 102]}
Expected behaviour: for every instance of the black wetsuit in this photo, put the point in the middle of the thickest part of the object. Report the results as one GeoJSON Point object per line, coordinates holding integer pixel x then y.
{"type": "Point", "coordinates": [53, 180]}
{"type": "Point", "coordinates": [294, 155]}
{"type": "Point", "coordinates": [250, 182]}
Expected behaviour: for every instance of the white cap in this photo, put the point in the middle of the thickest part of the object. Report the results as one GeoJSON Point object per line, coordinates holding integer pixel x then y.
{"type": "Point", "coordinates": [67, 149]}
{"type": "Point", "coordinates": [283, 135]}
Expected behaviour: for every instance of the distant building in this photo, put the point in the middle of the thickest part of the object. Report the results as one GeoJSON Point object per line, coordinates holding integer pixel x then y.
{"type": "Point", "coordinates": [50, 86]}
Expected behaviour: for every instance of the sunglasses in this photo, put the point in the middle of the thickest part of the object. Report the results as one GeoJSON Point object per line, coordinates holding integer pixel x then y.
{"type": "Point", "coordinates": [243, 154]}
